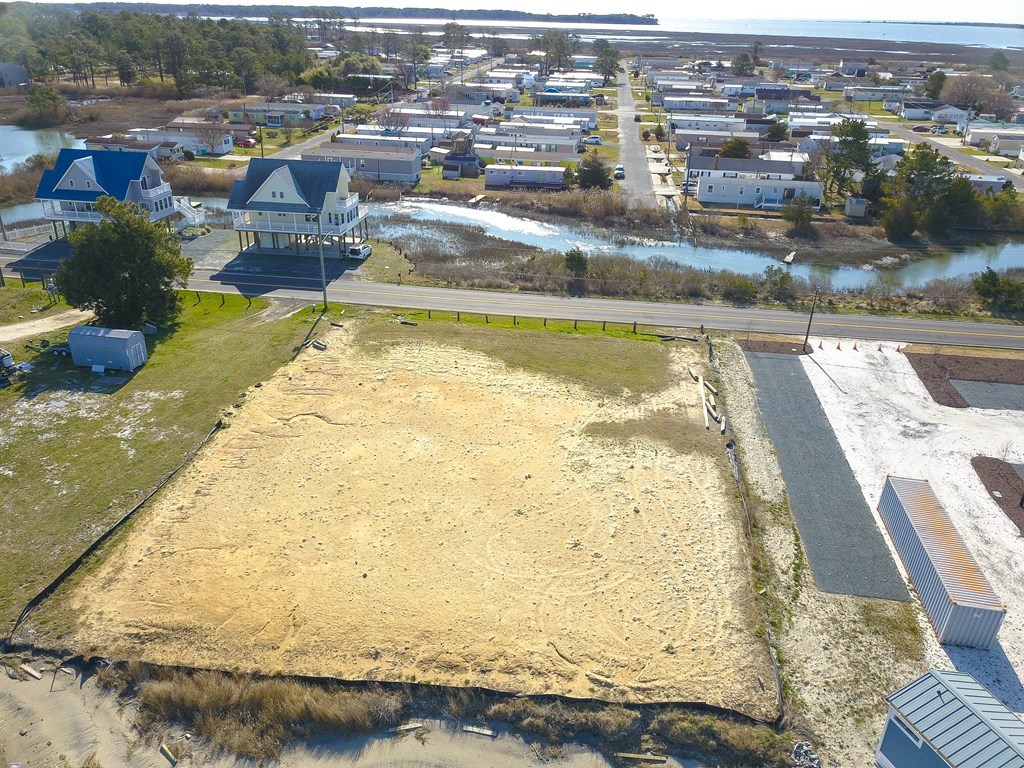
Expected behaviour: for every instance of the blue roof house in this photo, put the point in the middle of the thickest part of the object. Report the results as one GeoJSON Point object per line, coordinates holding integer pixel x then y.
{"type": "Point", "coordinates": [80, 177]}
{"type": "Point", "coordinates": [289, 204]}
{"type": "Point", "coordinates": [949, 720]}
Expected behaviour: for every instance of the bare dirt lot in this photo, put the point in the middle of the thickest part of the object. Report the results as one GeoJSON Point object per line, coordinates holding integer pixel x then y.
{"type": "Point", "coordinates": [458, 508]}
{"type": "Point", "coordinates": [937, 371]}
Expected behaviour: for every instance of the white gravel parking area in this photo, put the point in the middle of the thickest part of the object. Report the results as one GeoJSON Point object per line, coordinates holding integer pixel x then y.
{"type": "Point", "coordinates": [887, 423]}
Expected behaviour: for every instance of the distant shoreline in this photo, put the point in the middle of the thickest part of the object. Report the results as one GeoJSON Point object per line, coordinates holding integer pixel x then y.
{"type": "Point", "coordinates": [375, 12]}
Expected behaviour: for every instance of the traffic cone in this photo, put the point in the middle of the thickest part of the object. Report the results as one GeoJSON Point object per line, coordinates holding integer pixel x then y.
{"type": "Point", "coordinates": [839, 346]}
{"type": "Point", "coordinates": [855, 347]}
{"type": "Point", "coordinates": [879, 347]}
{"type": "Point", "coordinates": [819, 345]}
{"type": "Point", "coordinates": [898, 348]}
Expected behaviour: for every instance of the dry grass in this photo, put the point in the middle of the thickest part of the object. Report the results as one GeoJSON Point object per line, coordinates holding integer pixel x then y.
{"type": "Point", "coordinates": [559, 721]}
{"type": "Point", "coordinates": [734, 743]}
{"type": "Point", "coordinates": [251, 717]}
{"type": "Point", "coordinates": [195, 181]}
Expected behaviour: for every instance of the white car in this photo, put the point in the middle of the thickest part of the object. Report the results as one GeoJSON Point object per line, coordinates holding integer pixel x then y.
{"type": "Point", "coordinates": [592, 140]}
{"type": "Point", "coordinates": [361, 251]}
{"type": "Point", "coordinates": [619, 172]}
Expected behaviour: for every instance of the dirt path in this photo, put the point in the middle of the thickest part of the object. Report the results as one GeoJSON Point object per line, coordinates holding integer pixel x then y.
{"type": "Point", "coordinates": [43, 325]}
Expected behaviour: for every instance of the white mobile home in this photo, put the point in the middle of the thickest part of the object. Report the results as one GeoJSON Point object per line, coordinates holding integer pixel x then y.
{"type": "Point", "coordinates": [755, 192]}
{"type": "Point", "coordinates": [524, 176]}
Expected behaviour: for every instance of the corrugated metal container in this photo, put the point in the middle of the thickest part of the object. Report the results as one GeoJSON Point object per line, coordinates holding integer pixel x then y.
{"type": "Point", "coordinates": [956, 595]}
{"type": "Point", "coordinates": [112, 348]}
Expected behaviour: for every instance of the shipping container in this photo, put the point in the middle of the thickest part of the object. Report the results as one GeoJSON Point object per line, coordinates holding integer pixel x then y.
{"type": "Point", "coordinates": [957, 597]}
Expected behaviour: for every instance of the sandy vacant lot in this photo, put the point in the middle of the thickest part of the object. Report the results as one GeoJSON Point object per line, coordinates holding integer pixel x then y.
{"type": "Point", "coordinates": [418, 511]}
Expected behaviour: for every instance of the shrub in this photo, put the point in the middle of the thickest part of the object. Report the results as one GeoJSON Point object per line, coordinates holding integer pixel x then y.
{"type": "Point", "coordinates": [188, 154]}
{"type": "Point", "coordinates": [557, 721]}
{"type": "Point", "coordinates": [899, 221]}
{"type": "Point", "coordinates": [733, 742]}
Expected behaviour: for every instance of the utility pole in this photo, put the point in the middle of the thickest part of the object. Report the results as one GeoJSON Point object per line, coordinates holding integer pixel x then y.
{"type": "Point", "coordinates": [320, 251]}
{"type": "Point", "coordinates": [809, 319]}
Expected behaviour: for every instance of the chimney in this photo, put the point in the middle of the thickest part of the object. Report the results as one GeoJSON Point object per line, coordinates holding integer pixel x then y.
{"type": "Point", "coordinates": [715, 166]}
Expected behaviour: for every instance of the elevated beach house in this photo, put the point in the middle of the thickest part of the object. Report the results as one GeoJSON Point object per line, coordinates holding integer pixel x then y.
{"type": "Point", "coordinates": [288, 204]}
{"type": "Point", "coordinates": [80, 177]}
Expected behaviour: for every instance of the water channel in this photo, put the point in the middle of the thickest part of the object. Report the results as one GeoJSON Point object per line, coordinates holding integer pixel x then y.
{"type": "Point", "coordinates": [18, 144]}
{"type": "Point", "coordinates": [395, 220]}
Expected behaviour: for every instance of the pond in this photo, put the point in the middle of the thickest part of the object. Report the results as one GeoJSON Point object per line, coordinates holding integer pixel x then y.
{"type": "Point", "coordinates": [18, 144]}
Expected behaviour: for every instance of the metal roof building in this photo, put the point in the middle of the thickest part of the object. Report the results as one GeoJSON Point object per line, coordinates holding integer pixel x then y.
{"type": "Point", "coordinates": [949, 720]}
{"type": "Point", "coordinates": [110, 348]}
{"type": "Point", "coordinates": [957, 597]}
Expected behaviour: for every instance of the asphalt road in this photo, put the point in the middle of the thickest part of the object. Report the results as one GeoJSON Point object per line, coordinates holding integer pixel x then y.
{"type": "Point", "coordinates": [637, 186]}
{"type": "Point", "coordinates": [344, 289]}
{"type": "Point", "coordinates": [858, 327]}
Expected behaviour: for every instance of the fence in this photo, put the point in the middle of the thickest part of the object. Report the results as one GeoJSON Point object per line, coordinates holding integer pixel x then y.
{"type": "Point", "coordinates": [39, 229]}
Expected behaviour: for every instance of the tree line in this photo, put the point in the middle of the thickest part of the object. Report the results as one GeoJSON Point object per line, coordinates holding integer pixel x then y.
{"type": "Point", "coordinates": [190, 52]}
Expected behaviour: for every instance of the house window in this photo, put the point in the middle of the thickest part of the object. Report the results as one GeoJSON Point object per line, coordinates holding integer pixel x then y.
{"type": "Point", "coordinates": [88, 185]}
{"type": "Point", "coordinates": [71, 183]}
{"type": "Point", "coordinates": [757, 190]}
{"type": "Point", "coordinates": [273, 193]}
{"type": "Point", "coordinates": [711, 188]}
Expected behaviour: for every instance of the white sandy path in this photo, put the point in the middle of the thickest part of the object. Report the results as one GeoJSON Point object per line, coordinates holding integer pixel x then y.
{"type": "Point", "coordinates": [887, 423]}
{"type": "Point", "coordinates": [43, 324]}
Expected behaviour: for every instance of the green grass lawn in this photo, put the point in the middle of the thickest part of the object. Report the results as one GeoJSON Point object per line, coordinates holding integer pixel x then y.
{"type": "Point", "coordinates": [17, 303]}
{"type": "Point", "coordinates": [86, 448]}
{"type": "Point", "coordinates": [605, 358]}
{"type": "Point", "coordinates": [220, 162]}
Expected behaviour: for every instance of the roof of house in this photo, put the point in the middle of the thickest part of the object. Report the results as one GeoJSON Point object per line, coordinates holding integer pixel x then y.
{"type": "Point", "coordinates": [364, 151]}
{"type": "Point", "coordinates": [962, 721]}
{"type": "Point", "coordinates": [140, 145]}
{"type": "Point", "coordinates": [312, 180]}
{"type": "Point", "coordinates": [740, 165]}
{"type": "Point", "coordinates": [113, 172]}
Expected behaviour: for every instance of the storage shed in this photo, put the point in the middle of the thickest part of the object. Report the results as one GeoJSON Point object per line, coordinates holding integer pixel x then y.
{"type": "Point", "coordinates": [112, 348]}
{"type": "Point", "coordinates": [949, 720]}
{"type": "Point", "coordinates": [957, 597]}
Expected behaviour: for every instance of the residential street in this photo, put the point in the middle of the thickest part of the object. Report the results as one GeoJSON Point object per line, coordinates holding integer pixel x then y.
{"type": "Point", "coordinates": [976, 164]}
{"type": "Point", "coordinates": [637, 186]}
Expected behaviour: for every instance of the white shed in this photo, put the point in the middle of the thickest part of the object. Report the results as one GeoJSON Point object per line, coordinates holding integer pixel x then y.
{"type": "Point", "coordinates": [111, 348]}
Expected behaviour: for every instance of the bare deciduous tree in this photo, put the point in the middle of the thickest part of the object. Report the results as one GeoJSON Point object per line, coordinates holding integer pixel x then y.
{"type": "Point", "coordinates": [390, 119]}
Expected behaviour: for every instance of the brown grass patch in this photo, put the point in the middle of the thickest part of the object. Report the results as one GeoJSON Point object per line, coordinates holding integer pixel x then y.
{"type": "Point", "coordinates": [936, 371]}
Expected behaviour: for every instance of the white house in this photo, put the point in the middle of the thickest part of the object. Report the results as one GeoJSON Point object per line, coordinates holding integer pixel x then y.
{"type": "Point", "coordinates": [983, 182]}
{"type": "Point", "coordinates": [80, 177]}
{"type": "Point", "coordinates": [756, 193]}
{"type": "Point", "coordinates": [524, 176]}
{"type": "Point", "coordinates": [289, 204]}
{"type": "Point", "coordinates": [188, 139]}
{"type": "Point", "coordinates": [587, 115]}
{"type": "Point", "coordinates": [947, 113]}
{"type": "Point", "coordinates": [1006, 147]}
{"type": "Point", "coordinates": [696, 104]}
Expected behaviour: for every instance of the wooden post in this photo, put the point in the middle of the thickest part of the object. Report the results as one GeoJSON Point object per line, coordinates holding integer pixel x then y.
{"type": "Point", "coordinates": [458, 317]}
{"type": "Point", "coordinates": [575, 324]}
{"type": "Point", "coordinates": [428, 314]}
{"type": "Point", "coordinates": [222, 299]}
{"type": "Point", "coordinates": [604, 324]}
{"type": "Point", "coordinates": [634, 326]}
{"type": "Point", "coordinates": [487, 319]}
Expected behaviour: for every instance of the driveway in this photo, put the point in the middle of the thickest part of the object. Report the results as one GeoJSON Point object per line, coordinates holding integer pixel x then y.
{"type": "Point", "coordinates": [637, 186]}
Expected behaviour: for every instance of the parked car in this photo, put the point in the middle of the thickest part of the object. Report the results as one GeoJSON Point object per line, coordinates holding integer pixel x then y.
{"type": "Point", "coordinates": [592, 140]}
{"type": "Point", "coordinates": [921, 128]}
{"type": "Point", "coordinates": [361, 251]}
{"type": "Point", "coordinates": [619, 172]}
{"type": "Point", "coordinates": [250, 143]}
{"type": "Point", "coordinates": [939, 129]}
